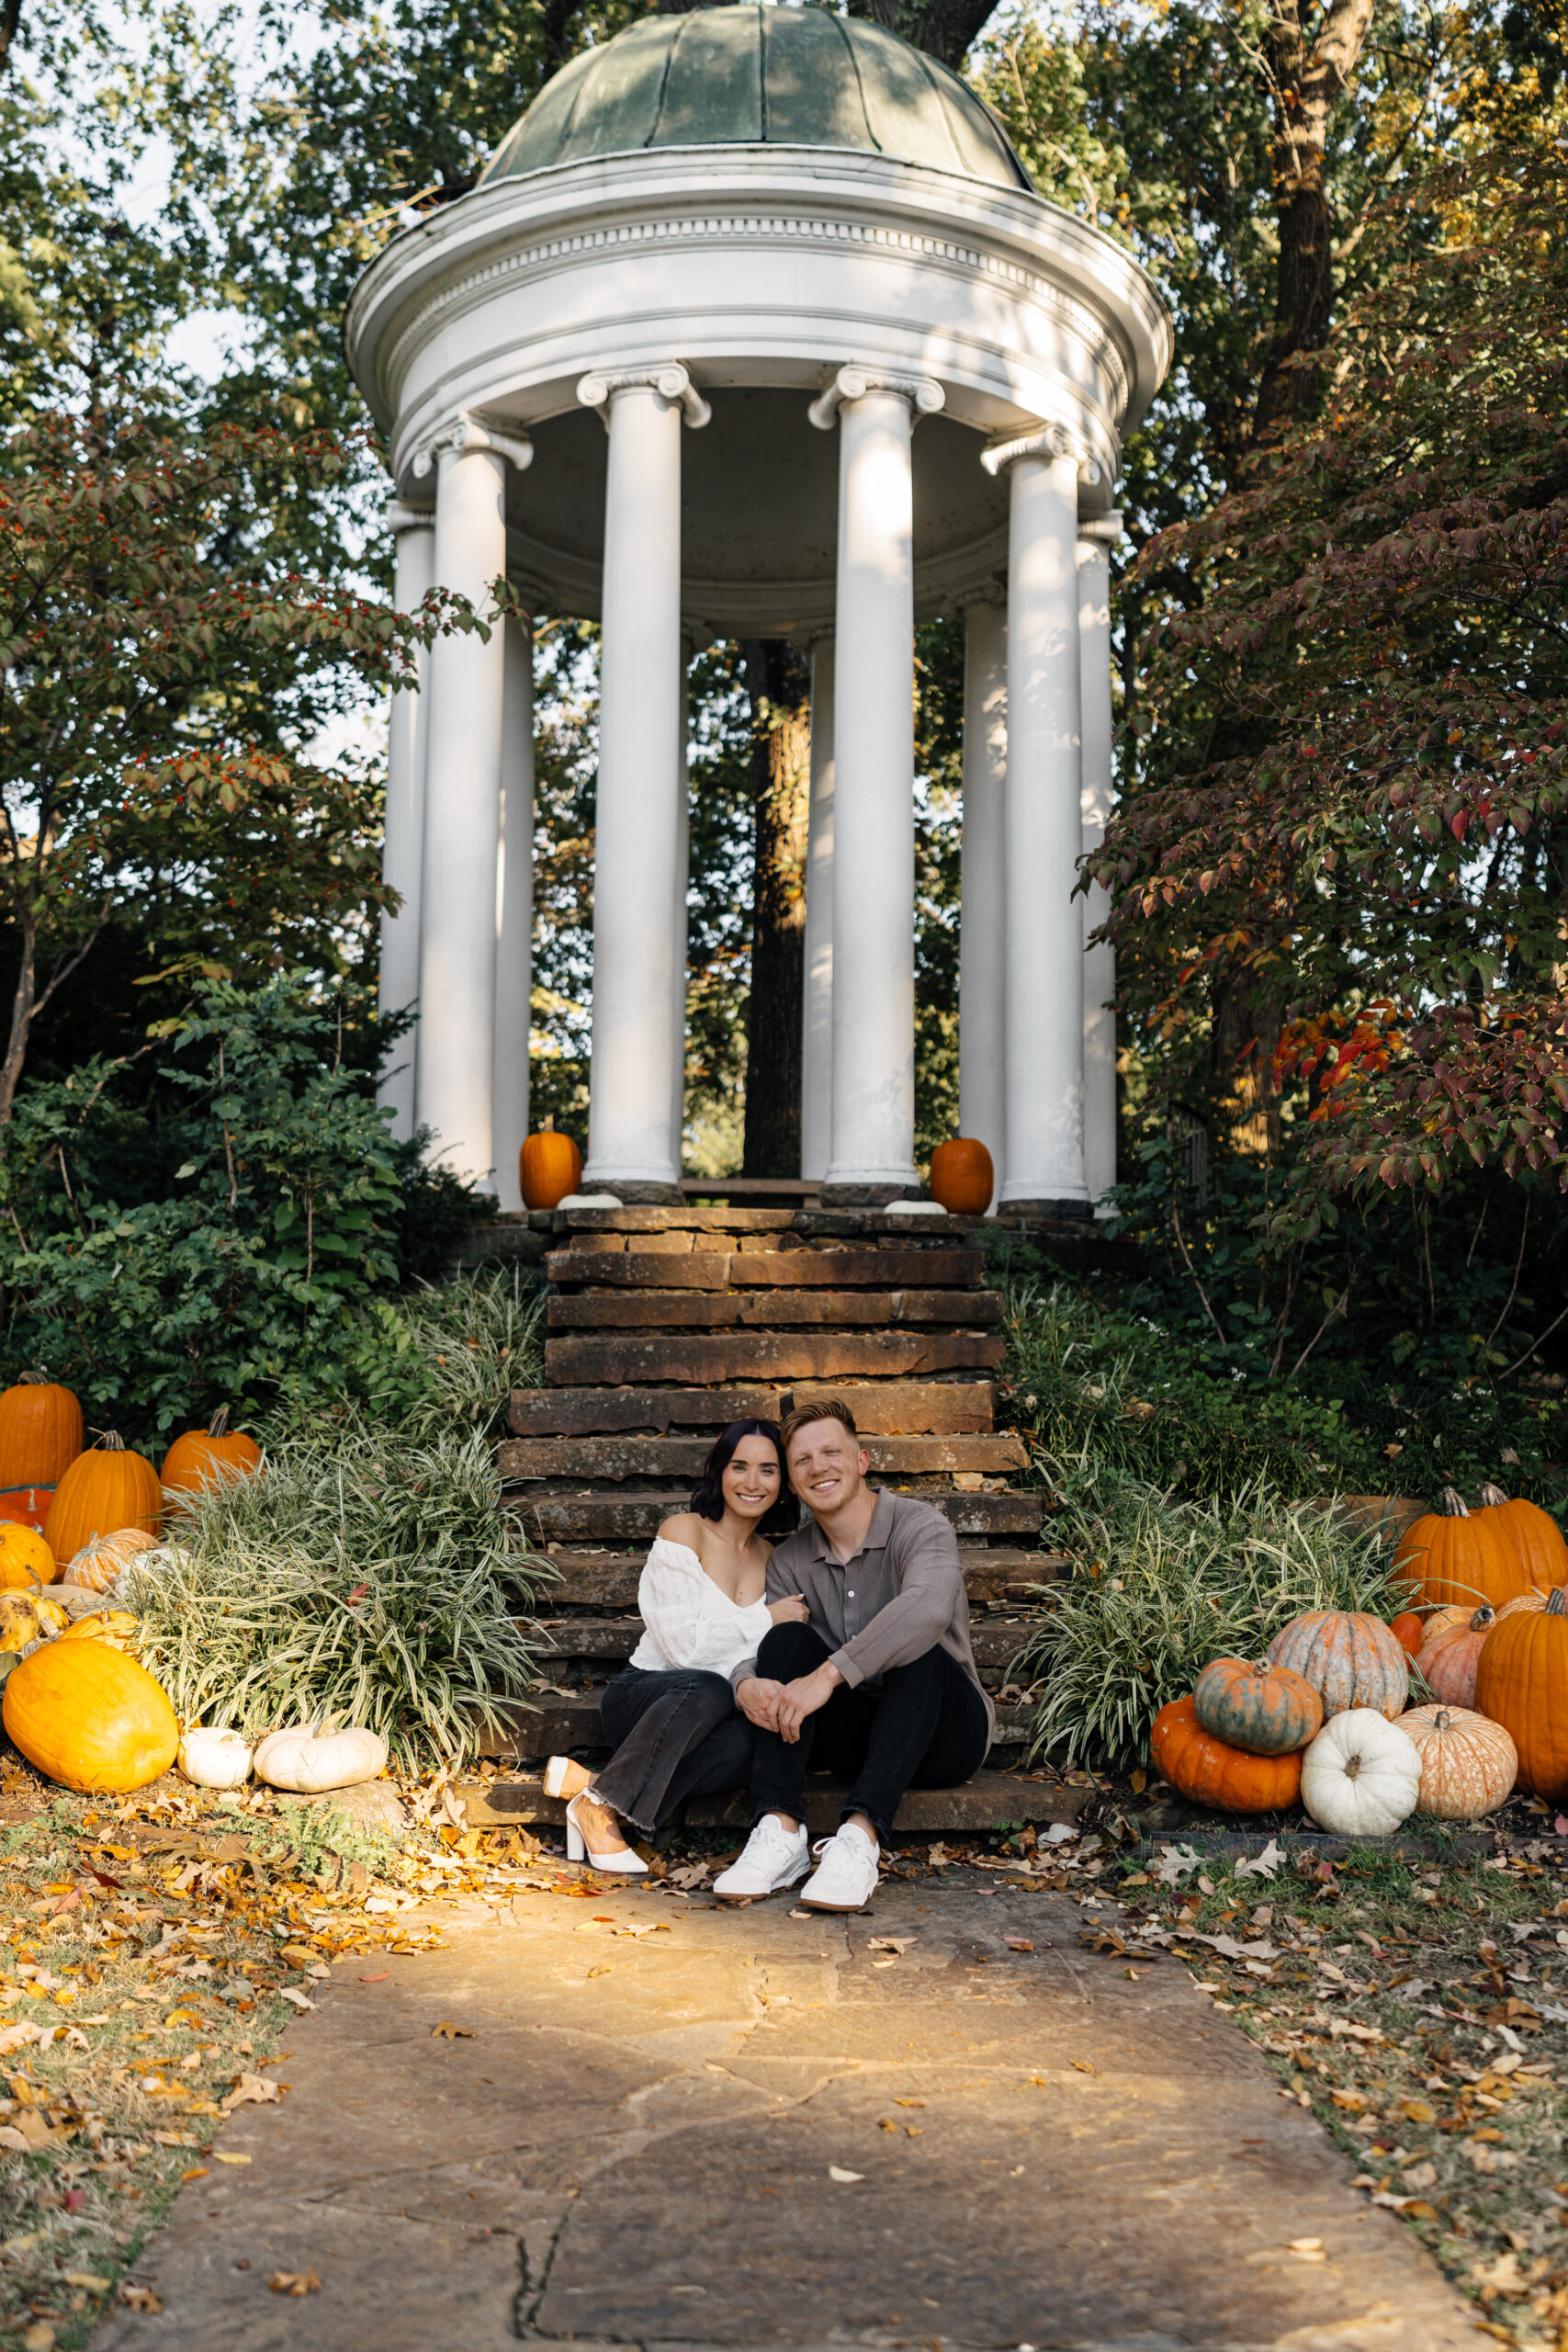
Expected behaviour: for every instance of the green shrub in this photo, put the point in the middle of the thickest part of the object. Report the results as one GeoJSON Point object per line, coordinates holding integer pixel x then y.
{"type": "Point", "coordinates": [1160, 1587]}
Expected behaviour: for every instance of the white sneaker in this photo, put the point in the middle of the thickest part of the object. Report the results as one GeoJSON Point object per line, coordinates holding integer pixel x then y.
{"type": "Point", "coordinates": [773, 1858]}
{"type": "Point", "coordinates": [845, 1878]}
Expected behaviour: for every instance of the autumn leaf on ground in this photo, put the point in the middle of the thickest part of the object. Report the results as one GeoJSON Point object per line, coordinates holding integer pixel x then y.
{"type": "Point", "coordinates": [447, 2032]}
{"type": "Point", "coordinates": [837, 2171]}
{"type": "Point", "coordinates": [294, 2282]}
{"type": "Point", "coordinates": [138, 2297]}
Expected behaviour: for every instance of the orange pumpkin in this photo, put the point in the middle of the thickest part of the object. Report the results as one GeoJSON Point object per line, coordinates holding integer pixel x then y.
{"type": "Point", "coordinates": [963, 1177]}
{"type": "Point", "coordinates": [1468, 1763]}
{"type": "Point", "coordinates": [214, 1456]}
{"type": "Point", "coordinates": [1534, 1535]}
{"type": "Point", "coordinates": [1210, 1771]}
{"type": "Point", "coordinates": [1522, 1683]}
{"type": "Point", "coordinates": [25, 1560]}
{"type": "Point", "coordinates": [1408, 1631]}
{"type": "Point", "coordinates": [28, 1506]}
{"type": "Point", "coordinates": [1448, 1557]}
{"type": "Point", "coordinates": [1351, 1659]}
{"type": "Point", "coordinates": [1264, 1709]}
{"type": "Point", "coordinates": [550, 1166]}
{"type": "Point", "coordinates": [90, 1717]}
{"type": "Point", "coordinates": [95, 1567]}
{"type": "Point", "coordinates": [1451, 1654]}
{"type": "Point", "coordinates": [40, 1432]}
{"type": "Point", "coordinates": [106, 1488]}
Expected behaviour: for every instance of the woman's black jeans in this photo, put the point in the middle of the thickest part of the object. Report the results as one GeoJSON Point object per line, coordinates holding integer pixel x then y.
{"type": "Point", "coordinates": [676, 1735]}
{"type": "Point", "coordinates": [925, 1728]}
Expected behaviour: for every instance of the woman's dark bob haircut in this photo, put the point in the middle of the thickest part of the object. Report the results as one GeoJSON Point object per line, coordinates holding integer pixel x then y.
{"type": "Point", "coordinates": [708, 1499]}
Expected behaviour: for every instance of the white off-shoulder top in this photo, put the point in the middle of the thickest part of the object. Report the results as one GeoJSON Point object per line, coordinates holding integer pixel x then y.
{"type": "Point", "coordinates": [688, 1620]}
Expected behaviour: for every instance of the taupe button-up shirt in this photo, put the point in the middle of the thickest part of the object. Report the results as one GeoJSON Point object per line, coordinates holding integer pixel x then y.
{"type": "Point", "coordinates": [899, 1595]}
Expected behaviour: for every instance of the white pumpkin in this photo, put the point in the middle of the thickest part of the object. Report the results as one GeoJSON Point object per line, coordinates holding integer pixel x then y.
{"type": "Point", "coordinates": [1361, 1775]}
{"type": "Point", "coordinates": [306, 1761]}
{"type": "Point", "coordinates": [215, 1759]}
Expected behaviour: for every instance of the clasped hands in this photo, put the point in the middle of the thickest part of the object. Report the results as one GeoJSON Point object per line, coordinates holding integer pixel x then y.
{"type": "Point", "coordinates": [783, 1706]}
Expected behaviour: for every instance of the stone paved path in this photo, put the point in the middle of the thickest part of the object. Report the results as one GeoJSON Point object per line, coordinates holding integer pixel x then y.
{"type": "Point", "coordinates": [638, 2146]}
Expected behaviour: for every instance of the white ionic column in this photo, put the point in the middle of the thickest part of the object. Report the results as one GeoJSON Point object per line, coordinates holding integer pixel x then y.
{"type": "Point", "coordinates": [1096, 540]}
{"type": "Point", "coordinates": [682, 880]}
{"type": "Point", "coordinates": [816, 1038]}
{"type": "Point", "coordinates": [462, 804]}
{"type": "Point", "coordinates": [633, 1148]}
{"type": "Point", "coordinates": [982, 937]}
{"type": "Point", "coordinates": [1044, 926]}
{"type": "Point", "coordinates": [514, 912]}
{"type": "Point", "coordinates": [873, 809]}
{"type": "Point", "coordinates": [402, 856]}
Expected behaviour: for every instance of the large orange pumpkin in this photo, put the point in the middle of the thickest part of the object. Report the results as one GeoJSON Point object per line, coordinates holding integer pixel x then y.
{"type": "Point", "coordinates": [25, 1560]}
{"type": "Point", "coordinates": [1264, 1709]}
{"type": "Point", "coordinates": [90, 1717]}
{"type": "Point", "coordinates": [40, 1432]}
{"type": "Point", "coordinates": [1351, 1659]}
{"type": "Point", "coordinates": [550, 1166]}
{"type": "Point", "coordinates": [106, 1488]}
{"type": "Point", "coordinates": [1210, 1771]}
{"type": "Point", "coordinates": [1522, 1683]}
{"type": "Point", "coordinates": [1451, 1654]}
{"type": "Point", "coordinates": [214, 1456]}
{"type": "Point", "coordinates": [963, 1177]}
{"type": "Point", "coordinates": [1449, 1557]}
{"type": "Point", "coordinates": [1534, 1535]}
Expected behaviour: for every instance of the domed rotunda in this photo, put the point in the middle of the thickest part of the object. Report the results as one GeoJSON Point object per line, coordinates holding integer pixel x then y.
{"type": "Point", "coordinates": [756, 326]}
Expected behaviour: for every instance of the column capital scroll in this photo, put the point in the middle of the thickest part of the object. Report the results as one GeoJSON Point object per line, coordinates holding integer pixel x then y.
{"type": "Point", "coordinates": [671, 380]}
{"type": "Point", "coordinates": [1042, 441]}
{"type": "Point", "coordinates": [402, 514]}
{"type": "Point", "coordinates": [466, 434]}
{"type": "Point", "coordinates": [1106, 530]}
{"type": "Point", "coordinates": [854, 381]}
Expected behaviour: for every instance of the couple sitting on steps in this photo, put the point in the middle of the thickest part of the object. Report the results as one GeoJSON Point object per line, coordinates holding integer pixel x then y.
{"type": "Point", "coordinates": [846, 1648]}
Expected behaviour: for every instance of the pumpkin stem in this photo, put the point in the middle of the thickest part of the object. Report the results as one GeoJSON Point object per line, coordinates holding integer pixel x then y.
{"type": "Point", "coordinates": [1453, 1504]}
{"type": "Point", "coordinates": [1557, 1601]}
{"type": "Point", "coordinates": [218, 1424]}
{"type": "Point", "coordinates": [1492, 1496]}
{"type": "Point", "coordinates": [1441, 1719]}
{"type": "Point", "coordinates": [1352, 1767]}
{"type": "Point", "coordinates": [32, 1380]}
{"type": "Point", "coordinates": [547, 1124]}
{"type": "Point", "coordinates": [110, 1440]}
{"type": "Point", "coordinates": [1485, 1615]}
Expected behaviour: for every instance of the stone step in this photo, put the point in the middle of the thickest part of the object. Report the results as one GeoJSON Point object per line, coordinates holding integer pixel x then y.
{"type": "Point", "coordinates": [779, 1268]}
{"type": "Point", "coordinates": [995, 1578]}
{"type": "Point", "coordinates": [718, 1310]}
{"type": "Point", "coordinates": [839, 1228]}
{"type": "Point", "coordinates": [939, 1408]}
{"type": "Point", "coordinates": [585, 1518]}
{"type": "Point", "coordinates": [553, 1722]}
{"type": "Point", "coordinates": [997, 1641]}
{"type": "Point", "coordinates": [991, 1801]}
{"type": "Point", "coordinates": [592, 1458]}
{"type": "Point", "coordinates": [717, 1360]}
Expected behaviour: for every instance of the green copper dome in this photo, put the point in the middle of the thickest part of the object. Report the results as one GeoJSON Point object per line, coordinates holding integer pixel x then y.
{"type": "Point", "coordinates": [750, 77]}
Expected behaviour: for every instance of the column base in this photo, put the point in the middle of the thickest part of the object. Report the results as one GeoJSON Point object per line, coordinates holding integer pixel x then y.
{"type": "Point", "coordinates": [851, 1195]}
{"type": "Point", "coordinates": [636, 1191]}
{"type": "Point", "coordinates": [1078, 1210]}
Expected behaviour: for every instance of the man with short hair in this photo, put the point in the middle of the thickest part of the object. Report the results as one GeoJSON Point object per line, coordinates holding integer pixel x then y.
{"type": "Point", "coordinates": [879, 1686]}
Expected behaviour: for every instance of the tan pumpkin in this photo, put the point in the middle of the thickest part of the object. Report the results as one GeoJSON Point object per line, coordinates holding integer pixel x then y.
{"type": "Point", "coordinates": [1522, 1683]}
{"type": "Point", "coordinates": [961, 1176]}
{"type": "Point", "coordinates": [25, 1560]}
{"type": "Point", "coordinates": [106, 1488]}
{"type": "Point", "coordinates": [549, 1167]}
{"type": "Point", "coordinates": [1449, 1558]}
{"type": "Point", "coordinates": [40, 1432]}
{"type": "Point", "coordinates": [1532, 1534]}
{"type": "Point", "coordinates": [215, 1456]}
{"type": "Point", "coordinates": [1268, 1710]}
{"type": "Point", "coordinates": [1469, 1764]}
{"type": "Point", "coordinates": [1351, 1659]}
{"type": "Point", "coordinates": [90, 1717]}
{"type": "Point", "coordinates": [99, 1562]}
{"type": "Point", "coordinates": [1451, 1654]}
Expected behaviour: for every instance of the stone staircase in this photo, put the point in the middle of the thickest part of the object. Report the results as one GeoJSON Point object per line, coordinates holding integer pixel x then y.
{"type": "Point", "coordinates": [664, 1325]}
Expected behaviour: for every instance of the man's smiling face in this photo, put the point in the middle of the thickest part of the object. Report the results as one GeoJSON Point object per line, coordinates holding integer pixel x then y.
{"type": "Point", "coordinates": [826, 1467]}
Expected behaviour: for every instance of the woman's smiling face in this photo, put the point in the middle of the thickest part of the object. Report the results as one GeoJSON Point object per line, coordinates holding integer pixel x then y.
{"type": "Point", "coordinates": [751, 1477]}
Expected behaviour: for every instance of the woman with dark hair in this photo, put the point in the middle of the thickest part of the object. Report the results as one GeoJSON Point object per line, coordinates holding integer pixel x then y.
{"type": "Point", "coordinates": [670, 1714]}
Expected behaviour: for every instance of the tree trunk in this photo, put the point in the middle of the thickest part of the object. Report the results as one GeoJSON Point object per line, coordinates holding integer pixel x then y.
{"type": "Point", "coordinates": [1304, 81]}
{"type": "Point", "coordinates": [778, 684]}
{"type": "Point", "coordinates": [22, 1007]}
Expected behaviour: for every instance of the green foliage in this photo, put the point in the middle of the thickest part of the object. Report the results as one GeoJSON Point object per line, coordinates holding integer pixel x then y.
{"type": "Point", "coordinates": [1161, 1587]}
{"type": "Point", "coordinates": [370, 1580]}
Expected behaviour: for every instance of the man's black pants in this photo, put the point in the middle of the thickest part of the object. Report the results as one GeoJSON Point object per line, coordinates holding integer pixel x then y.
{"type": "Point", "coordinates": [925, 1728]}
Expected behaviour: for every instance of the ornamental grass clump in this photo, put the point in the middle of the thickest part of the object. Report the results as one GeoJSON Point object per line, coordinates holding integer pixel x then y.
{"type": "Point", "coordinates": [1162, 1588]}
{"type": "Point", "coordinates": [367, 1580]}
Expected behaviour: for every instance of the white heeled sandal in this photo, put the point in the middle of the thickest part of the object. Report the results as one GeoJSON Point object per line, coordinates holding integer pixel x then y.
{"type": "Point", "coordinates": [623, 1864]}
